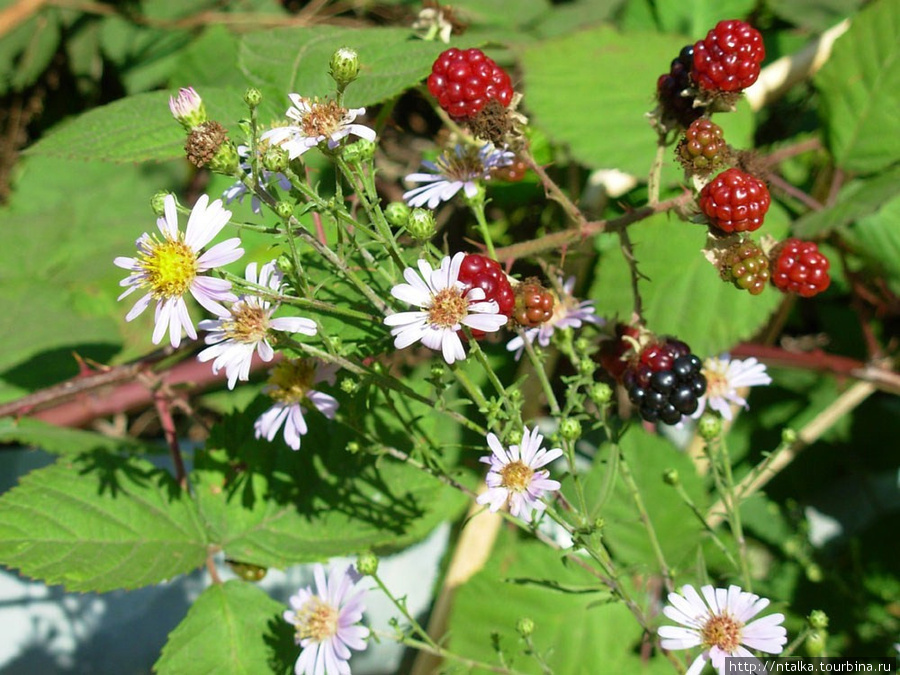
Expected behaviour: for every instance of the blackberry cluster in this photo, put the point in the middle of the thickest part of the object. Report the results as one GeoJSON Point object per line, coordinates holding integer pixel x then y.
{"type": "Point", "coordinates": [673, 90]}
{"type": "Point", "coordinates": [703, 149]}
{"type": "Point", "coordinates": [735, 201]}
{"type": "Point", "coordinates": [799, 267]}
{"type": "Point", "coordinates": [728, 59]}
{"type": "Point", "coordinates": [464, 80]}
{"type": "Point", "coordinates": [534, 304]}
{"type": "Point", "coordinates": [665, 382]}
{"type": "Point", "coordinates": [746, 266]}
{"type": "Point", "coordinates": [478, 271]}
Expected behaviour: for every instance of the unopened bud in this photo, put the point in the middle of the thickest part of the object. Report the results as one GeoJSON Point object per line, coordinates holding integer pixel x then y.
{"type": "Point", "coordinates": [349, 385]}
{"type": "Point", "coordinates": [275, 159]}
{"type": "Point", "coordinates": [525, 627]}
{"type": "Point", "coordinates": [670, 477]}
{"type": "Point", "coordinates": [367, 564]}
{"type": "Point", "coordinates": [600, 393]}
{"type": "Point", "coordinates": [709, 426]}
{"type": "Point", "coordinates": [818, 619]}
{"type": "Point", "coordinates": [353, 447]}
{"type": "Point", "coordinates": [420, 224]}
{"type": "Point", "coordinates": [397, 214]}
{"type": "Point", "coordinates": [788, 436]}
{"type": "Point", "coordinates": [158, 203]}
{"type": "Point", "coordinates": [359, 152]}
{"type": "Point", "coordinates": [344, 66]}
{"type": "Point", "coordinates": [284, 210]}
{"type": "Point", "coordinates": [253, 97]}
{"type": "Point", "coordinates": [188, 108]}
{"type": "Point", "coordinates": [570, 429]}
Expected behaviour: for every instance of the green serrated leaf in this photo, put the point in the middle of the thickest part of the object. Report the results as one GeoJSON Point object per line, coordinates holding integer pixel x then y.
{"type": "Point", "coordinates": [100, 522]}
{"type": "Point", "coordinates": [860, 91]}
{"type": "Point", "coordinates": [877, 239]}
{"type": "Point", "coordinates": [210, 60]}
{"type": "Point", "coordinates": [296, 60]}
{"type": "Point", "coordinates": [683, 295]}
{"type": "Point", "coordinates": [814, 14]}
{"type": "Point", "coordinates": [510, 587]}
{"type": "Point", "coordinates": [573, 89]}
{"type": "Point", "coordinates": [138, 128]}
{"type": "Point", "coordinates": [855, 200]}
{"type": "Point", "coordinates": [231, 628]}
{"type": "Point", "coordinates": [695, 18]}
{"type": "Point", "coordinates": [479, 13]}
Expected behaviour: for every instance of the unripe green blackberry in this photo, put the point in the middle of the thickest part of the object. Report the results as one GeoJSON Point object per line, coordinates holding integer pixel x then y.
{"type": "Point", "coordinates": [702, 150]}
{"type": "Point", "coordinates": [344, 66]}
{"type": "Point", "coordinates": [397, 214]}
{"type": "Point", "coordinates": [746, 266]}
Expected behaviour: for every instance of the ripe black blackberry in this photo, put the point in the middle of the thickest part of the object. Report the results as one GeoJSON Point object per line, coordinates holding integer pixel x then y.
{"type": "Point", "coordinates": [675, 92]}
{"type": "Point", "coordinates": [665, 382]}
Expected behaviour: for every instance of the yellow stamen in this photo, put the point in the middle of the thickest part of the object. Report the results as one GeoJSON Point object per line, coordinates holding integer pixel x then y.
{"type": "Point", "coordinates": [448, 308]}
{"type": "Point", "coordinates": [317, 620]}
{"type": "Point", "coordinates": [323, 119]}
{"type": "Point", "coordinates": [291, 379]}
{"type": "Point", "coordinates": [722, 631]}
{"type": "Point", "coordinates": [170, 266]}
{"type": "Point", "coordinates": [248, 324]}
{"type": "Point", "coordinates": [516, 476]}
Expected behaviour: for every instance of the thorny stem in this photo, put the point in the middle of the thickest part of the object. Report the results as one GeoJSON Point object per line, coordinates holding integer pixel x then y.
{"type": "Point", "coordinates": [636, 276]}
{"type": "Point", "coordinates": [553, 192]}
{"type": "Point", "coordinates": [653, 180]}
{"type": "Point", "coordinates": [164, 411]}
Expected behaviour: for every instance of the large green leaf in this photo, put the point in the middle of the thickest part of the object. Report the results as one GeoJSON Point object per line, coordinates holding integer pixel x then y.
{"type": "Point", "coordinates": [231, 628]}
{"type": "Point", "coordinates": [138, 128]}
{"type": "Point", "coordinates": [877, 238]}
{"type": "Point", "coordinates": [860, 88]}
{"type": "Point", "coordinates": [814, 14]}
{"type": "Point", "coordinates": [100, 522]}
{"type": "Point", "coordinates": [296, 60]}
{"type": "Point", "coordinates": [574, 91]}
{"type": "Point", "coordinates": [270, 506]}
{"type": "Point", "coordinates": [577, 628]}
{"type": "Point", "coordinates": [683, 294]}
{"type": "Point", "coordinates": [63, 441]}
{"type": "Point", "coordinates": [855, 200]}
{"type": "Point", "coordinates": [695, 18]}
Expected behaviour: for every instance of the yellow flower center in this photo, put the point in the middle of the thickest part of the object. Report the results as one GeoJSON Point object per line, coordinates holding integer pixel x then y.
{"type": "Point", "coordinates": [248, 324]}
{"type": "Point", "coordinates": [716, 381]}
{"type": "Point", "coordinates": [323, 119]}
{"type": "Point", "coordinates": [170, 267]}
{"type": "Point", "coordinates": [448, 308]}
{"type": "Point", "coordinates": [291, 379]}
{"type": "Point", "coordinates": [516, 476]}
{"type": "Point", "coordinates": [317, 620]}
{"type": "Point", "coordinates": [722, 631]}
{"type": "Point", "coordinates": [464, 166]}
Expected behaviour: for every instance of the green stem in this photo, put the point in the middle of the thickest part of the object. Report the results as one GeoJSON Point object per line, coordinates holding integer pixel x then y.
{"type": "Point", "coordinates": [416, 626]}
{"type": "Point", "coordinates": [686, 498]}
{"type": "Point", "coordinates": [477, 208]}
{"type": "Point", "coordinates": [541, 374]}
{"type": "Point", "coordinates": [734, 515]}
{"type": "Point", "coordinates": [632, 486]}
{"type": "Point", "coordinates": [473, 391]}
{"type": "Point", "coordinates": [442, 653]}
{"type": "Point", "coordinates": [475, 348]}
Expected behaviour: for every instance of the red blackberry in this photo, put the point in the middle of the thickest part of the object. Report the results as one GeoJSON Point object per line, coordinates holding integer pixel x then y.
{"type": "Point", "coordinates": [478, 271]}
{"type": "Point", "coordinates": [673, 90]}
{"type": "Point", "coordinates": [746, 266]}
{"type": "Point", "coordinates": [463, 81]}
{"type": "Point", "coordinates": [798, 267]}
{"type": "Point", "coordinates": [728, 58]}
{"type": "Point", "coordinates": [735, 201]}
{"type": "Point", "coordinates": [534, 304]}
{"type": "Point", "coordinates": [614, 352]}
{"type": "Point", "coordinates": [703, 149]}
{"type": "Point", "coordinates": [666, 382]}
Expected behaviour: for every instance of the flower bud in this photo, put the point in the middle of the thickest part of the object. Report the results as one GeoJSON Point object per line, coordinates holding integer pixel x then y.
{"type": "Point", "coordinates": [600, 393]}
{"type": "Point", "coordinates": [709, 426]}
{"type": "Point", "coordinates": [188, 108]}
{"type": "Point", "coordinates": [253, 97]}
{"type": "Point", "coordinates": [275, 159]}
{"type": "Point", "coordinates": [421, 225]}
{"type": "Point", "coordinates": [438, 371]}
{"type": "Point", "coordinates": [397, 214]}
{"type": "Point", "coordinates": [815, 643]}
{"type": "Point", "coordinates": [582, 344]}
{"type": "Point", "coordinates": [359, 152]}
{"type": "Point", "coordinates": [344, 66]}
{"type": "Point", "coordinates": [817, 619]}
{"type": "Point", "coordinates": [525, 626]}
{"type": "Point", "coordinates": [670, 477]}
{"type": "Point", "coordinates": [349, 385]}
{"type": "Point", "coordinates": [367, 563]}
{"type": "Point", "coordinates": [158, 203]}
{"type": "Point", "coordinates": [788, 436]}
{"type": "Point", "coordinates": [284, 210]}
{"type": "Point", "coordinates": [570, 429]}
{"type": "Point", "coordinates": [353, 447]}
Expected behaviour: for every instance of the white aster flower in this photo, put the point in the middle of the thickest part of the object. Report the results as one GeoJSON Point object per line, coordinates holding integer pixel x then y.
{"type": "Point", "coordinates": [724, 377]}
{"type": "Point", "coordinates": [291, 386]}
{"type": "Point", "coordinates": [234, 339]}
{"type": "Point", "coordinates": [238, 190]}
{"type": "Point", "coordinates": [171, 266]}
{"type": "Point", "coordinates": [717, 622]}
{"type": "Point", "coordinates": [446, 304]}
{"type": "Point", "coordinates": [568, 313]}
{"type": "Point", "coordinates": [326, 622]}
{"type": "Point", "coordinates": [455, 170]}
{"type": "Point", "coordinates": [516, 476]}
{"type": "Point", "coordinates": [316, 121]}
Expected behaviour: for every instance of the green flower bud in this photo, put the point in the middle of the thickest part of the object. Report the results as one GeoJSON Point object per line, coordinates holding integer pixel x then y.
{"type": "Point", "coordinates": [817, 619]}
{"type": "Point", "coordinates": [360, 152]}
{"type": "Point", "coordinates": [709, 426]}
{"type": "Point", "coordinates": [275, 159]}
{"type": "Point", "coordinates": [158, 203]}
{"type": "Point", "coordinates": [353, 447]}
{"type": "Point", "coordinates": [226, 161]}
{"type": "Point", "coordinates": [284, 265]}
{"type": "Point", "coordinates": [188, 108]}
{"type": "Point", "coordinates": [349, 385]}
{"type": "Point", "coordinates": [815, 643]}
{"type": "Point", "coordinates": [600, 393]}
{"type": "Point", "coordinates": [570, 429]}
{"type": "Point", "coordinates": [421, 225]}
{"type": "Point", "coordinates": [344, 66]}
{"type": "Point", "coordinates": [378, 367]}
{"type": "Point", "coordinates": [788, 436]}
{"type": "Point", "coordinates": [367, 564]}
{"type": "Point", "coordinates": [670, 477]}
{"type": "Point", "coordinates": [582, 344]}
{"type": "Point", "coordinates": [438, 371]}
{"type": "Point", "coordinates": [253, 97]}
{"type": "Point", "coordinates": [814, 573]}
{"type": "Point", "coordinates": [525, 626]}
{"type": "Point", "coordinates": [284, 210]}
{"type": "Point", "coordinates": [515, 396]}
{"type": "Point", "coordinates": [586, 366]}
{"type": "Point", "coordinates": [397, 214]}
